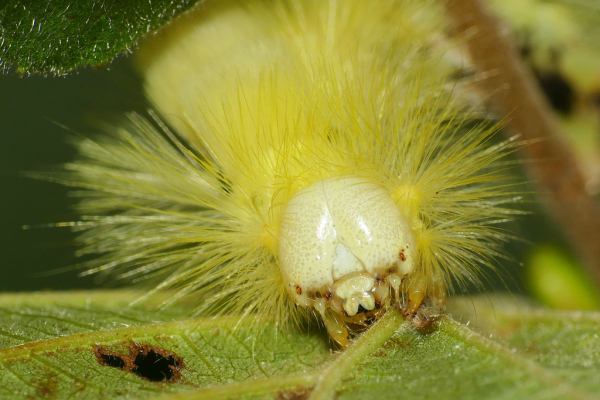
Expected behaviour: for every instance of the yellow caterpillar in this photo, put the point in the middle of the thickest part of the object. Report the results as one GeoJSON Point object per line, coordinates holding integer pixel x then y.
{"type": "Point", "coordinates": [321, 165]}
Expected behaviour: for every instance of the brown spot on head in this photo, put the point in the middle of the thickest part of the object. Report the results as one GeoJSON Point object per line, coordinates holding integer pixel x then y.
{"type": "Point", "coordinates": [328, 295]}
{"type": "Point", "coordinates": [298, 290]}
{"type": "Point", "coordinates": [401, 255]}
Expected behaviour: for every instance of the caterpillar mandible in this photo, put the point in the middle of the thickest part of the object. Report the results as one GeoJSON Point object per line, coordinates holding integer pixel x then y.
{"type": "Point", "coordinates": [323, 161]}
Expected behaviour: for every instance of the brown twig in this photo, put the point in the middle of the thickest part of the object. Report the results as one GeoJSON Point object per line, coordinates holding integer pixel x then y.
{"type": "Point", "coordinates": [514, 94]}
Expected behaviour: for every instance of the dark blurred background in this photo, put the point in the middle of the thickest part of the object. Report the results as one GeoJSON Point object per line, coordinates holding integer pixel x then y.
{"type": "Point", "coordinates": [37, 113]}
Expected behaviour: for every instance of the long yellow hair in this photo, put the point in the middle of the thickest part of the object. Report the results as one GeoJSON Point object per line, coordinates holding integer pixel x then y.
{"type": "Point", "coordinates": [265, 98]}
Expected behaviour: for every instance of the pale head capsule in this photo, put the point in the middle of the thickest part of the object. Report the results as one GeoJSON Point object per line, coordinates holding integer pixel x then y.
{"type": "Point", "coordinates": [343, 244]}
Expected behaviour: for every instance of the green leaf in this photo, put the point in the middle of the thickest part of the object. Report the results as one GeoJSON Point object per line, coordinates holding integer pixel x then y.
{"type": "Point", "coordinates": [57, 36]}
{"type": "Point", "coordinates": [559, 281]}
{"type": "Point", "coordinates": [93, 345]}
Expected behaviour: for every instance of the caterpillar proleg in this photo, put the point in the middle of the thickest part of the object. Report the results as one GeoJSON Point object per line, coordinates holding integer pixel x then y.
{"type": "Point", "coordinates": [323, 162]}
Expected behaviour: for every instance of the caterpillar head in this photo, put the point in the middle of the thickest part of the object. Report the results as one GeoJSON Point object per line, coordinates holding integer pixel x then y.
{"type": "Point", "coordinates": [344, 249]}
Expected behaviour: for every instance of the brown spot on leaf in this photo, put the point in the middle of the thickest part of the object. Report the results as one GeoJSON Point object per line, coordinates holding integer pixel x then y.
{"type": "Point", "coordinates": [297, 393]}
{"type": "Point", "coordinates": [423, 319]}
{"type": "Point", "coordinates": [152, 363]}
{"type": "Point", "coordinates": [392, 344]}
{"type": "Point", "coordinates": [46, 387]}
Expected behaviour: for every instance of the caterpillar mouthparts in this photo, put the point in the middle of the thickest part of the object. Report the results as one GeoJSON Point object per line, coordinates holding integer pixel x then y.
{"type": "Point", "coordinates": [321, 166]}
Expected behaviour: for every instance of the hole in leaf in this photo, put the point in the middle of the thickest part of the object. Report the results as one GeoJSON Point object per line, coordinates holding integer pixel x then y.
{"type": "Point", "coordinates": [113, 361]}
{"type": "Point", "coordinates": [154, 367]}
{"type": "Point", "coordinates": [151, 363]}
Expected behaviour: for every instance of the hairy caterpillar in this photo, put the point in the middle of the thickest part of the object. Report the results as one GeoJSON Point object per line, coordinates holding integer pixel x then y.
{"type": "Point", "coordinates": [325, 166]}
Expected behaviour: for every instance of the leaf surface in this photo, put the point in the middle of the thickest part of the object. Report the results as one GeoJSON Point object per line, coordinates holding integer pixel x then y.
{"type": "Point", "coordinates": [65, 345]}
{"type": "Point", "coordinates": [57, 36]}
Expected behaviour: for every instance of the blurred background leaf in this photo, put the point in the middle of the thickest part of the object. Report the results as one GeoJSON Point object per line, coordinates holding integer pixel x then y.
{"type": "Point", "coordinates": [59, 35]}
{"type": "Point", "coordinates": [557, 280]}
